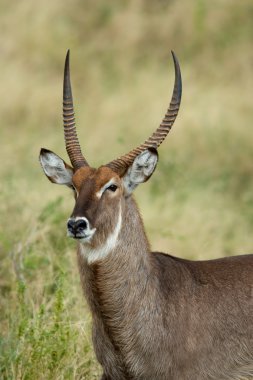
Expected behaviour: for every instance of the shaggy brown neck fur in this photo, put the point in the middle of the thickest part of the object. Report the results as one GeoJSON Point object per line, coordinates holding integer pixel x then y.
{"type": "Point", "coordinates": [121, 287]}
{"type": "Point", "coordinates": [126, 269]}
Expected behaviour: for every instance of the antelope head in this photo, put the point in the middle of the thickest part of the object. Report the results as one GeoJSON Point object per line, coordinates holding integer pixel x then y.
{"type": "Point", "coordinates": [100, 194]}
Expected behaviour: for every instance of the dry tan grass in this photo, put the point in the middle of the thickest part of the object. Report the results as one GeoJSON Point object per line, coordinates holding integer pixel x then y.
{"type": "Point", "coordinates": [199, 204]}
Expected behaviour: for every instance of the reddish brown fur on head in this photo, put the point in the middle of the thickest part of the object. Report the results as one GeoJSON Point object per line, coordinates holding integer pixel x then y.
{"type": "Point", "coordinates": [100, 177]}
{"type": "Point", "coordinates": [99, 193]}
{"type": "Point", "coordinates": [98, 197]}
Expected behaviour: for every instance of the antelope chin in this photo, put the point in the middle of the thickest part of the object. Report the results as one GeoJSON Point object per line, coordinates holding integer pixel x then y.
{"type": "Point", "coordinates": [82, 237]}
{"type": "Point", "coordinates": [86, 238]}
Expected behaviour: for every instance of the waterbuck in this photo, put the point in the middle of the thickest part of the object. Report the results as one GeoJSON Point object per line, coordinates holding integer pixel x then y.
{"type": "Point", "coordinates": [155, 316]}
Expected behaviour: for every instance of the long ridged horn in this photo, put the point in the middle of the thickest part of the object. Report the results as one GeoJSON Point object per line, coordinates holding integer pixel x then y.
{"type": "Point", "coordinates": [121, 164]}
{"type": "Point", "coordinates": [71, 140]}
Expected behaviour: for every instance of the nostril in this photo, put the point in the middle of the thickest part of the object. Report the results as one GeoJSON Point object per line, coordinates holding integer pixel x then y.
{"type": "Point", "coordinates": [71, 224]}
{"type": "Point", "coordinates": [77, 227]}
{"type": "Point", "coordinates": [81, 225]}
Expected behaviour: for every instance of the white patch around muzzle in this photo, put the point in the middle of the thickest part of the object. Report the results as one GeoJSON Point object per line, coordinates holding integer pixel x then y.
{"type": "Point", "coordinates": [86, 234]}
{"type": "Point", "coordinates": [95, 254]}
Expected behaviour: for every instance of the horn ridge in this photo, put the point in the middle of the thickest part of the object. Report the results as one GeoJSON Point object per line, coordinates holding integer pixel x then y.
{"type": "Point", "coordinates": [121, 164]}
{"type": "Point", "coordinates": [71, 140]}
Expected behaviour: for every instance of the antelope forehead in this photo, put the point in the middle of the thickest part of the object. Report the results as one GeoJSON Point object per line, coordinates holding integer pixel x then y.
{"type": "Point", "coordinates": [97, 179]}
{"type": "Point", "coordinates": [81, 176]}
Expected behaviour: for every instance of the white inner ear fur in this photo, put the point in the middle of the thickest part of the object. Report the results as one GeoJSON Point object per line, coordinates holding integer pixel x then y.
{"type": "Point", "coordinates": [141, 169]}
{"type": "Point", "coordinates": [54, 167]}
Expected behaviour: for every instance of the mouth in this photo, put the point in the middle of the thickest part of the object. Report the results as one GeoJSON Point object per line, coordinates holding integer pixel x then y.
{"type": "Point", "coordinates": [82, 237]}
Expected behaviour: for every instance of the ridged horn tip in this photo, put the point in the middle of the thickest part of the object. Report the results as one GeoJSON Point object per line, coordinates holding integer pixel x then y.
{"type": "Point", "coordinates": [67, 93]}
{"type": "Point", "coordinates": [178, 77]}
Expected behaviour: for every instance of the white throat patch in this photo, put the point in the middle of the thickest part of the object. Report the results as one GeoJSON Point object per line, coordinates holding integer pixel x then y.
{"type": "Point", "coordinates": [95, 254]}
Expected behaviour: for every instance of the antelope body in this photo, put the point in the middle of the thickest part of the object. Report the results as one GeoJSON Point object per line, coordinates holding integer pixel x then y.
{"type": "Point", "coordinates": [155, 316]}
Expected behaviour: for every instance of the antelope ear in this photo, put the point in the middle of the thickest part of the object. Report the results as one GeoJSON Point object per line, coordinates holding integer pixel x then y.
{"type": "Point", "coordinates": [141, 169]}
{"type": "Point", "coordinates": [56, 170]}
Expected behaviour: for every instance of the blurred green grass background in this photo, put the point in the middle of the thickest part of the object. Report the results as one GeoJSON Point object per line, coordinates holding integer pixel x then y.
{"type": "Point", "coordinates": [198, 204]}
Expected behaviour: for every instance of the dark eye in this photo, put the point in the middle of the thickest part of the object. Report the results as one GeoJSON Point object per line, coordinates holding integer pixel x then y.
{"type": "Point", "coordinates": [112, 188]}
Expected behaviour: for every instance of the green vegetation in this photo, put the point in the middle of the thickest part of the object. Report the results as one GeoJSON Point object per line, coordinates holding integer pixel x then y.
{"type": "Point", "coordinates": [199, 203]}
